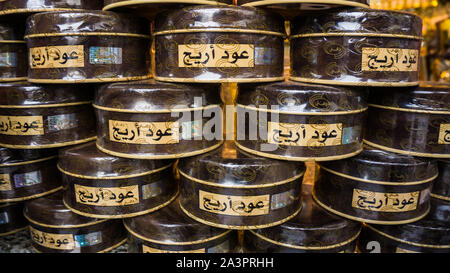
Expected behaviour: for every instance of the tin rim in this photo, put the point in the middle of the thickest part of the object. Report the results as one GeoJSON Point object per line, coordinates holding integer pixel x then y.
{"type": "Point", "coordinates": [410, 110]}
{"type": "Point", "coordinates": [13, 231]}
{"type": "Point", "coordinates": [28, 162]}
{"type": "Point", "coordinates": [120, 4]}
{"type": "Point", "coordinates": [337, 113]}
{"type": "Point", "coordinates": [336, 2]}
{"type": "Point", "coordinates": [31, 106]}
{"type": "Point", "coordinates": [381, 147]}
{"type": "Point", "coordinates": [62, 227]}
{"type": "Point", "coordinates": [440, 197]}
{"type": "Point", "coordinates": [335, 82]}
{"type": "Point", "coordinates": [93, 80]}
{"type": "Point", "coordinates": [57, 145]}
{"type": "Point", "coordinates": [226, 80]}
{"type": "Point", "coordinates": [32, 196]}
{"type": "Point", "coordinates": [13, 79]}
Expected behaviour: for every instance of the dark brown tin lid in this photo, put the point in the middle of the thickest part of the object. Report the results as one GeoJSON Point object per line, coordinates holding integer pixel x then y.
{"type": "Point", "coordinates": [358, 20]}
{"type": "Point", "coordinates": [231, 167]}
{"type": "Point", "coordinates": [378, 166]}
{"type": "Point", "coordinates": [22, 6]}
{"type": "Point", "coordinates": [429, 96]}
{"type": "Point", "coordinates": [86, 161]}
{"type": "Point", "coordinates": [86, 22]}
{"type": "Point", "coordinates": [49, 211]}
{"type": "Point", "coordinates": [24, 94]}
{"type": "Point", "coordinates": [210, 18]}
{"type": "Point", "coordinates": [441, 186]}
{"type": "Point", "coordinates": [12, 157]}
{"type": "Point", "coordinates": [313, 228]}
{"type": "Point", "coordinates": [12, 31]}
{"type": "Point", "coordinates": [294, 97]}
{"type": "Point", "coordinates": [151, 95]}
{"type": "Point", "coordinates": [170, 225]}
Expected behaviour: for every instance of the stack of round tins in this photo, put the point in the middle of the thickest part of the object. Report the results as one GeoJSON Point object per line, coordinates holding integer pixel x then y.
{"type": "Point", "coordinates": [103, 186]}
{"type": "Point", "coordinates": [13, 52]}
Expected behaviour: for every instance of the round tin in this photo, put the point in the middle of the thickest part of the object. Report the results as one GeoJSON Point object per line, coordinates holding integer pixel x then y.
{"type": "Point", "coordinates": [228, 188]}
{"type": "Point", "coordinates": [28, 7]}
{"type": "Point", "coordinates": [27, 174]}
{"type": "Point", "coordinates": [13, 52]}
{"type": "Point", "coordinates": [429, 235]}
{"type": "Point", "coordinates": [87, 47]}
{"type": "Point", "coordinates": [313, 230]}
{"type": "Point", "coordinates": [441, 186]}
{"type": "Point", "coordinates": [45, 116]}
{"type": "Point", "coordinates": [11, 218]}
{"type": "Point", "coordinates": [413, 121]}
{"type": "Point", "coordinates": [219, 44]}
{"type": "Point", "coordinates": [156, 120]}
{"type": "Point", "coordinates": [300, 122]}
{"type": "Point", "coordinates": [103, 186]}
{"type": "Point", "coordinates": [169, 230]}
{"type": "Point", "coordinates": [377, 187]}
{"type": "Point", "coordinates": [55, 229]}
{"type": "Point", "coordinates": [356, 46]}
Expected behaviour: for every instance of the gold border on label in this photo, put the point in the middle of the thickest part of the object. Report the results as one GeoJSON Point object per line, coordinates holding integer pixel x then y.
{"type": "Point", "coordinates": [13, 231]}
{"type": "Point", "coordinates": [62, 227]}
{"type": "Point", "coordinates": [58, 34]}
{"type": "Point", "coordinates": [349, 241]}
{"type": "Point", "coordinates": [215, 184]}
{"type": "Point", "coordinates": [13, 79]}
{"type": "Point", "coordinates": [325, 158]}
{"type": "Point", "coordinates": [174, 156]}
{"type": "Point", "coordinates": [404, 241]}
{"type": "Point", "coordinates": [112, 177]}
{"type": "Point", "coordinates": [241, 227]}
{"type": "Point", "coordinates": [137, 2]}
{"type": "Point", "coordinates": [45, 105]}
{"type": "Point", "coordinates": [219, 30]}
{"type": "Point", "coordinates": [367, 220]}
{"type": "Point", "coordinates": [406, 152]}
{"type": "Point", "coordinates": [337, 113]}
{"type": "Point", "coordinates": [357, 34]}
{"type": "Point", "coordinates": [161, 111]}
{"type": "Point", "coordinates": [94, 80]}
{"type": "Point", "coordinates": [437, 196]}
{"type": "Point", "coordinates": [32, 196]}
{"type": "Point", "coordinates": [226, 80]}
{"type": "Point", "coordinates": [57, 145]}
{"type": "Point", "coordinates": [29, 162]}
{"type": "Point", "coordinates": [409, 183]}
{"type": "Point", "coordinates": [275, 2]}
{"type": "Point", "coordinates": [410, 110]}
{"type": "Point", "coordinates": [335, 82]}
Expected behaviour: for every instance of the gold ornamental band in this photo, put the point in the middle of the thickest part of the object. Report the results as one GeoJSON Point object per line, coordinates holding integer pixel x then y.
{"type": "Point", "coordinates": [240, 227]}
{"type": "Point", "coordinates": [349, 241]}
{"type": "Point", "coordinates": [45, 105]}
{"type": "Point", "coordinates": [161, 111]}
{"type": "Point", "coordinates": [410, 110]}
{"type": "Point", "coordinates": [337, 113]}
{"type": "Point", "coordinates": [94, 80]}
{"type": "Point", "coordinates": [173, 156]}
{"type": "Point", "coordinates": [219, 30]}
{"type": "Point", "coordinates": [226, 80]}
{"type": "Point", "coordinates": [127, 215]}
{"type": "Point", "coordinates": [437, 196]}
{"type": "Point", "coordinates": [335, 82]}
{"type": "Point", "coordinates": [120, 4]}
{"type": "Point", "coordinates": [13, 11]}
{"type": "Point", "coordinates": [175, 243]}
{"type": "Point", "coordinates": [381, 147]}
{"type": "Point", "coordinates": [312, 158]}
{"type": "Point", "coordinates": [280, 2]}
{"type": "Point", "coordinates": [45, 35]}
{"type": "Point", "coordinates": [32, 196]}
{"type": "Point", "coordinates": [57, 145]}
{"type": "Point", "coordinates": [406, 183]}
{"type": "Point", "coordinates": [13, 231]}
{"type": "Point", "coordinates": [213, 184]}
{"type": "Point", "coordinates": [12, 42]}
{"type": "Point", "coordinates": [344, 34]}
{"type": "Point", "coordinates": [112, 177]}
{"type": "Point", "coordinates": [28, 162]}
{"type": "Point", "coordinates": [13, 79]}
{"type": "Point", "coordinates": [63, 226]}
{"type": "Point", "coordinates": [404, 241]}
{"type": "Point", "coordinates": [359, 219]}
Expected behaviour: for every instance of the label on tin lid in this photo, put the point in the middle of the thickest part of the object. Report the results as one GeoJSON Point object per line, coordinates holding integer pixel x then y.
{"type": "Point", "coordinates": [21, 125]}
{"type": "Point", "coordinates": [107, 197]}
{"type": "Point", "coordinates": [216, 55]}
{"type": "Point", "coordinates": [57, 56]}
{"type": "Point", "coordinates": [444, 134]}
{"type": "Point", "coordinates": [147, 249]}
{"type": "Point", "coordinates": [27, 179]}
{"type": "Point", "coordinates": [234, 205]}
{"type": "Point", "coordinates": [389, 59]}
{"type": "Point", "coordinates": [385, 202]}
{"type": "Point", "coordinates": [8, 59]}
{"type": "Point", "coordinates": [105, 55]}
{"type": "Point", "coordinates": [54, 241]}
{"type": "Point", "coordinates": [4, 219]}
{"type": "Point", "coordinates": [62, 122]}
{"type": "Point", "coordinates": [5, 182]}
{"type": "Point", "coordinates": [90, 239]}
{"type": "Point", "coordinates": [144, 132]}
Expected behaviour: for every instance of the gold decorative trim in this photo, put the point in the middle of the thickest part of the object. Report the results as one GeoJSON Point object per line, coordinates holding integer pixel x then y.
{"type": "Point", "coordinates": [44, 35]}
{"type": "Point", "coordinates": [445, 198]}
{"type": "Point", "coordinates": [241, 227]}
{"type": "Point", "coordinates": [112, 177]}
{"type": "Point", "coordinates": [62, 227]}
{"type": "Point", "coordinates": [367, 220]}
{"type": "Point", "coordinates": [275, 2]}
{"type": "Point", "coordinates": [114, 246]}
{"type": "Point", "coordinates": [337, 113]}
{"type": "Point", "coordinates": [13, 11]}
{"type": "Point", "coordinates": [160, 156]}
{"type": "Point", "coordinates": [13, 79]}
{"type": "Point", "coordinates": [137, 2]}
{"type": "Point", "coordinates": [13, 231]}
{"type": "Point", "coordinates": [349, 241]}
{"type": "Point", "coordinates": [32, 196]}
{"type": "Point", "coordinates": [227, 80]}
{"type": "Point", "coordinates": [57, 145]}
{"type": "Point", "coordinates": [176, 243]}
{"type": "Point", "coordinates": [406, 152]}
{"type": "Point", "coordinates": [404, 241]}
{"type": "Point", "coordinates": [409, 110]}
{"type": "Point", "coordinates": [95, 80]}
{"type": "Point", "coordinates": [409, 183]}
{"type": "Point", "coordinates": [279, 157]}
{"type": "Point", "coordinates": [219, 30]}
{"type": "Point", "coordinates": [335, 82]}
{"type": "Point", "coordinates": [128, 215]}
{"type": "Point", "coordinates": [161, 111]}
{"type": "Point", "coordinates": [12, 42]}
{"type": "Point", "coordinates": [45, 105]}
{"type": "Point", "coordinates": [342, 34]}
{"type": "Point", "coordinates": [213, 184]}
{"type": "Point", "coordinates": [29, 162]}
